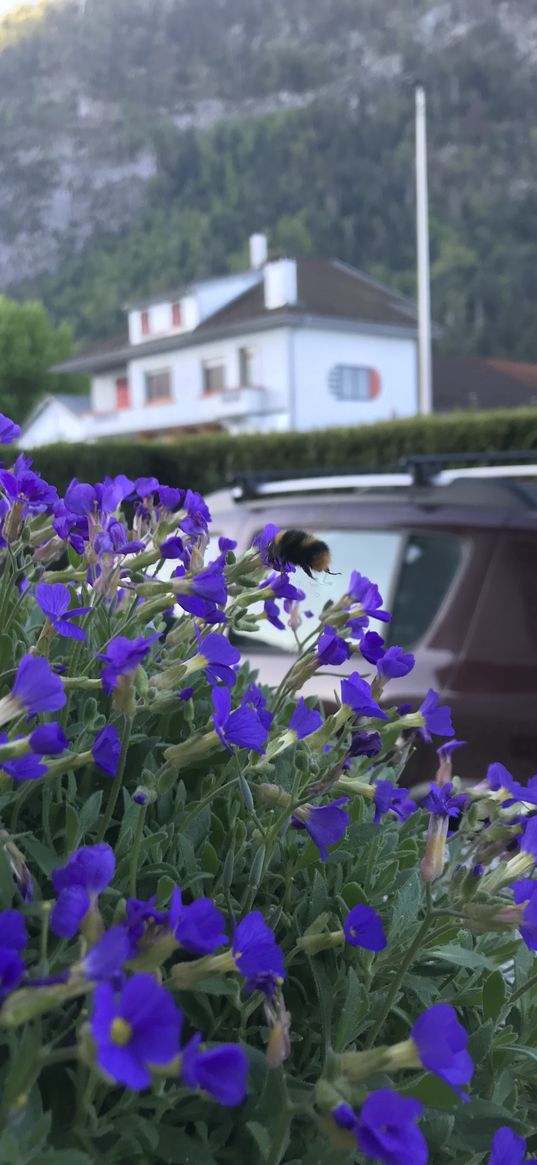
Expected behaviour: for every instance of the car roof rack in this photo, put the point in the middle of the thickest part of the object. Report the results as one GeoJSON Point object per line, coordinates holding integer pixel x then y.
{"type": "Point", "coordinates": [413, 471]}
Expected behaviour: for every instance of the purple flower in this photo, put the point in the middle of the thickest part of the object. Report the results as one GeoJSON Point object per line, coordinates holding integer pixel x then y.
{"type": "Point", "coordinates": [442, 803]}
{"type": "Point", "coordinates": [220, 1071]}
{"type": "Point", "coordinates": [25, 768]}
{"type": "Point", "coordinates": [254, 698]}
{"type": "Point", "coordinates": [365, 744]}
{"type": "Point", "coordinates": [201, 608]}
{"type": "Point", "coordinates": [9, 431]}
{"type": "Point", "coordinates": [112, 491]}
{"type": "Point", "coordinates": [37, 688]}
{"type": "Point", "coordinates": [371, 645]}
{"type": "Point", "coordinates": [441, 1042]}
{"type": "Point", "coordinates": [78, 884]}
{"type": "Point", "coordinates": [257, 955]}
{"type": "Point", "coordinates": [198, 515]}
{"type": "Point", "coordinates": [54, 599]}
{"type": "Point", "coordinates": [209, 584]}
{"type": "Point", "coordinates": [48, 740]}
{"type": "Point", "coordinates": [106, 749]}
{"type": "Point", "coordinates": [367, 594]}
{"type": "Point", "coordinates": [363, 927]}
{"type": "Point", "coordinates": [395, 663]}
{"type": "Point", "coordinates": [508, 1149]}
{"type": "Point", "coordinates": [11, 971]}
{"type": "Point", "coordinates": [134, 1029]}
{"type": "Point", "coordinates": [304, 720]}
{"type": "Point", "coordinates": [388, 797]}
{"type": "Point", "coordinates": [272, 612]}
{"type": "Point", "coordinates": [220, 658]}
{"type": "Point", "coordinates": [525, 895]}
{"type": "Point", "coordinates": [437, 719]}
{"type": "Point", "coordinates": [263, 540]}
{"type": "Point", "coordinates": [282, 587]}
{"type": "Point", "coordinates": [386, 1129]}
{"type": "Point", "coordinates": [106, 957]}
{"type": "Point", "coordinates": [21, 484]}
{"type": "Point", "coordinates": [199, 928]}
{"type": "Point", "coordinates": [172, 548]}
{"type": "Point", "coordinates": [242, 727]}
{"type": "Point", "coordinates": [326, 824]}
{"type": "Point", "coordinates": [13, 934]}
{"type": "Point", "coordinates": [169, 498]}
{"type": "Point", "coordinates": [114, 539]}
{"type": "Point", "coordinates": [80, 498]}
{"type": "Point", "coordinates": [331, 648]}
{"type": "Point", "coordinates": [123, 656]}
{"type": "Point", "coordinates": [356, 693]}
{"type": "Point", "coordinates": [528, 841]}
{"type": "Point", "coordinates": [146, 486]}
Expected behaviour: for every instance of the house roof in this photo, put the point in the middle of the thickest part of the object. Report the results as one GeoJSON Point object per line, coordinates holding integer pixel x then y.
{"type": "Point", "coordinates": [476, 383]}
{"type": "Point", "coordinates": [327, 291]}
{"type": "Point", "coordinates": [76, 404]}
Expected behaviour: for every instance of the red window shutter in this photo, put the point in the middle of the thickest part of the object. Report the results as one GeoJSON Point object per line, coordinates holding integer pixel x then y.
{"type": "Point", "coordinates": [176, 315]}
{"type": "Point", "coordinates": [122, 393]}
{"type": "Point", "coordinates": [144, 319]}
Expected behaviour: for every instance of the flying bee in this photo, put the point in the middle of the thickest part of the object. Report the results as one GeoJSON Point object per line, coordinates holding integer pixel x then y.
{"type": "Point", "coordinates": [300, 549]}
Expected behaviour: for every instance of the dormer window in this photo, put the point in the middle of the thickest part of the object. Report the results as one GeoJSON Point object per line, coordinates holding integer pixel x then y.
{"type": "Point", "coordinates": [177, 321]}
{"type": "Point", "coordinates": [144, 323]}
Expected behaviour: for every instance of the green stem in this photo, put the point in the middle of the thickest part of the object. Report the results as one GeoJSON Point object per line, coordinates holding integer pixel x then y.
{"type": "Point", "coordinates": [396, 983]}
{"type": "Point", "coordinates": [531, 982]}
{"type": "Point", "coordinates": [117, 782]}
{"type": "Point", "coordinates": [136, 850]}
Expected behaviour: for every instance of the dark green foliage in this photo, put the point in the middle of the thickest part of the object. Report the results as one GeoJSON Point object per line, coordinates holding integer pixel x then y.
{"type": "Point", "coordinates": [207, 463]}
{"type": "Point", "coordinates": [334, 177]}
{"type": "Point", "coordinates": [29, 345]}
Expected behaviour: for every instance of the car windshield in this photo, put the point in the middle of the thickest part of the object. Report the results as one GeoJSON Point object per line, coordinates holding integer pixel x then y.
{"type": "Point", "coordinates": [374, 553]}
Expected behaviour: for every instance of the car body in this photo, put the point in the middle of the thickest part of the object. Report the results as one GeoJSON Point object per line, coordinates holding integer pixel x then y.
{"type": "Point", "coordinates": [456, 563]}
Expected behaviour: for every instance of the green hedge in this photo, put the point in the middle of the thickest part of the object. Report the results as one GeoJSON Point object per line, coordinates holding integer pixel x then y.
{"type": "Point", "coordinates": [207, 462]}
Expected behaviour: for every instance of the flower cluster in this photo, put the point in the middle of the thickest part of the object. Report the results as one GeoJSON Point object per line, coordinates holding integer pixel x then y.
{"type": "Point", "coordinates": [205, 879]}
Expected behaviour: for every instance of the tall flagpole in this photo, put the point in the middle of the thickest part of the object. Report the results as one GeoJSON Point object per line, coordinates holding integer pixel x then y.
{"type": "Point", "coordinates": [425, 402]}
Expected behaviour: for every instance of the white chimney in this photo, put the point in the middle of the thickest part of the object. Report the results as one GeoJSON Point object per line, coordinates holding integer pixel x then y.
{"type": "Point", "coordinates": [280, 283]}
{"type": "Point", "coordinates": [258, 251]}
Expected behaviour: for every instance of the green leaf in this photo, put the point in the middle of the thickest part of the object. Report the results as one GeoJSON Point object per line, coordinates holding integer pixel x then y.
{"type": "Point", "coordinates": [353, 895]}
{"type": "Point", "coordinates": [261, 1138]}
{"type": "Point", "coordinates": [45, 857]}
{"type": "Point", "coordinates": [7, 885]}
{"type": "Point", "coordinates": [461, 957]}
{"type": "Point", "coordinates": [352, 1014]}
{"type": "Point", "coordinates": [89, 813]}
{"type": "Point", "coordinates": [493, 995]}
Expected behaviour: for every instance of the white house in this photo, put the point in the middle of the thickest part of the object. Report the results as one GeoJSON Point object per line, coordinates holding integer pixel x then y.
{"type": "Point", "coordinates": [288, 344]}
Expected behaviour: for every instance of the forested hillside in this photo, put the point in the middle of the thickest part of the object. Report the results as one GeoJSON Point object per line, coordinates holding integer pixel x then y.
{"type": "Point", "coordinates": [145, 139]}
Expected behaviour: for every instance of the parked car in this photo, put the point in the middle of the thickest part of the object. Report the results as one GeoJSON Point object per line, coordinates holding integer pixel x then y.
{"type": "Point", "coordinates": [454, 553]}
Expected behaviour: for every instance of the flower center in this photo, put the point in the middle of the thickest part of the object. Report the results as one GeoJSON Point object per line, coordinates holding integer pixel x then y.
{"type": "Point", "coordinates": [120, 1032]}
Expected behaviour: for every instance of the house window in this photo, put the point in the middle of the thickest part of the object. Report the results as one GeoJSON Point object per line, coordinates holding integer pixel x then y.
{"type": "Point", "coordinates": [246, 367]}
{"type": "Point", "coordinates": [349, 382]}
{"type": "Point", "coordinates": [214, 376]}
{"type": "Point", "coordinates": [158, 386]}
{"type": "Point", "coordinates": [122, 393]}
{"type": "Point", "coordinates": [176, 315]}
{"type": "Point", "coordinates": [144, 323]}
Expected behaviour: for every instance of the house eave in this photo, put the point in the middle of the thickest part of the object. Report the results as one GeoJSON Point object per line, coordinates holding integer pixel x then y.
{"type": "Point", "coordinates": [112, 361]}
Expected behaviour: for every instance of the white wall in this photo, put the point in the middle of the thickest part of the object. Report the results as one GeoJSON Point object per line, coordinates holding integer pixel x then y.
{"type": "Point", "coordinates": [103, 391]}
{"type": "Point", "coordinates": [203, 300]}
{"type": "Point", "coordinates": [188, 405]}
{"type": "Point", "coordinates": [54, 423]}
{"type": "Point", "coordinates": [316, 352]}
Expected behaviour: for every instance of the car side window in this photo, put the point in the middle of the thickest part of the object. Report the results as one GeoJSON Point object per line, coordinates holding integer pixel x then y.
{"type": "Point", "coordinates": [375, 553]}
{"type": "Point", "coordinates": [428, 567]}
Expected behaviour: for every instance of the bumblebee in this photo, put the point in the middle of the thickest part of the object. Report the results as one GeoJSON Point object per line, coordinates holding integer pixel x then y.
{"type": "Point", "coordinates": [300, 549]}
